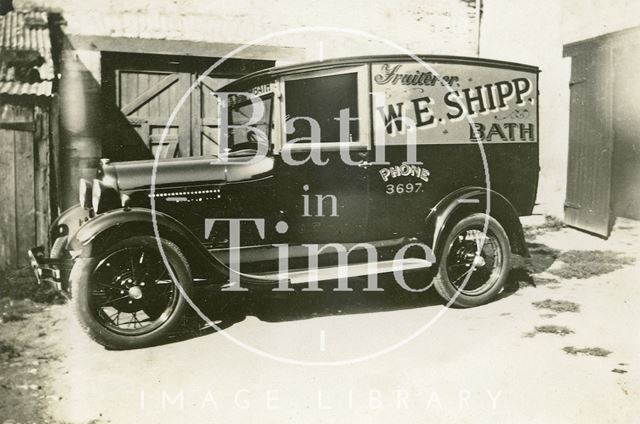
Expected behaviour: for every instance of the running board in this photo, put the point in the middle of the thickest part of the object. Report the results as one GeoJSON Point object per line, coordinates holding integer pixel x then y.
{"type": "Point", "coordinates": [349, 271]}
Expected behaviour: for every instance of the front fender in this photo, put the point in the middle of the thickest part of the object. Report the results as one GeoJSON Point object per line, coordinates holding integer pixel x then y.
{"type": "Point", "coordinates": [169, 227]}
{"type": "Point", "coordinates": [68, 222]}
{"type": "Point", "coordinates": [469, 200]}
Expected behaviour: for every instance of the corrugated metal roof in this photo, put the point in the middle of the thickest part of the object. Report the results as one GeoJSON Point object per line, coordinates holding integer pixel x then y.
{"type": "Point", "coordinates": [17, 88]}
{"type": "Point", "coordinates": [25, 40]}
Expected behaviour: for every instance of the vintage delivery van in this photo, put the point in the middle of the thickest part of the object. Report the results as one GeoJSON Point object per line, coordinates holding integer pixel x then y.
{"type": "Point", "coordinates": [329, 170]}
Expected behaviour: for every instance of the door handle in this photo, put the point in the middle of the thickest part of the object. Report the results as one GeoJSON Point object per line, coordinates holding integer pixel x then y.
{"type": "Point", "coordinates": [364, 164]}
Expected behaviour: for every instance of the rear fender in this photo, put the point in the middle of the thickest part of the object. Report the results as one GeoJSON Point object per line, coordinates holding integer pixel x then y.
{"type": "Point", "coordinates": [469, 200]}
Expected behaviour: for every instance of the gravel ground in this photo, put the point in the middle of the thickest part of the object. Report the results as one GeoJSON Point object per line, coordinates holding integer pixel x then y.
{"type": "Point", "coordinates": [556, 350]}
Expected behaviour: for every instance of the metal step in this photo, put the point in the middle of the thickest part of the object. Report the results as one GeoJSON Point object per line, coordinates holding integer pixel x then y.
{"type": "Point", "coordinates": [348, 271]}
{"type": "Point", "coordinates": [269, 252]}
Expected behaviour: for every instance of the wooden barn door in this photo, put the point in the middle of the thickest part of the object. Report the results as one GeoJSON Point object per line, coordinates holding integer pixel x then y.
{"type": "Point", "coordinates": [147, 88]}
{"type": "Point", "coordinates": [148, 99]}
{"type": "Point", "coordinates": [587, 204]}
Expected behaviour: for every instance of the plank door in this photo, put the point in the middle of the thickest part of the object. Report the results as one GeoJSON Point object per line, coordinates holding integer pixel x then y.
{"type": "Point", "coordinates": [17, 187]}
{"type": "Point", "coordinates": [587, 204]}
{"type": "Point", "coordinates": [148, 99]}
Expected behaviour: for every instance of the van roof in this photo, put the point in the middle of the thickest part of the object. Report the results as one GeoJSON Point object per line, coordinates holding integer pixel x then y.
{"type": "Point", "coordinates": [275, 72]}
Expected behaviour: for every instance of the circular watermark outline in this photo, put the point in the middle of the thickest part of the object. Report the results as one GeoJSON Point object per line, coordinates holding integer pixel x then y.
{"type": "Point", "coordinates": [211, 323]}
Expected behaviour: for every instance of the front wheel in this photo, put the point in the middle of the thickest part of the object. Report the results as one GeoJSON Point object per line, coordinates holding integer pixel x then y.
{"type": "Point", "coordinates": [474, 264]}
{"type": "Point", "coordinates": [126, 298]}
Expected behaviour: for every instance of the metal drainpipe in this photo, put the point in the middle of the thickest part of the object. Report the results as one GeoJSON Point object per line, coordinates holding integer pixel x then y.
{"type": "Point", "coordinates": [478, 25]}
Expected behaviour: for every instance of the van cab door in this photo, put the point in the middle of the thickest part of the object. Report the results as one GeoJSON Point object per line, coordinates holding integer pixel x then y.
{"type": "Point", "coordinates": [321, 170]}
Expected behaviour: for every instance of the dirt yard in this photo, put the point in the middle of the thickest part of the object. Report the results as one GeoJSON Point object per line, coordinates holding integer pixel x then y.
{"type": "Point", "coordinates": [560, 346]}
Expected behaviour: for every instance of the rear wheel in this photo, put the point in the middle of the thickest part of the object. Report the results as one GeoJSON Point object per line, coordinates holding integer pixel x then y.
{"type": "Point", "coordinates": [474, 265]}
{"type": "Point", "coordinates": [126, 299]}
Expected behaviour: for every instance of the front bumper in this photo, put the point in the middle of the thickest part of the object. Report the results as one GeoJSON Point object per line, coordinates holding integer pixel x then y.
{"type": "Point", "coordinates": [53, 271]}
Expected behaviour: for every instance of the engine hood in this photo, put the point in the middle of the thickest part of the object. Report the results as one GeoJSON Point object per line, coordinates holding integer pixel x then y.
{"type": "Point", "coordinates": [176, 172]}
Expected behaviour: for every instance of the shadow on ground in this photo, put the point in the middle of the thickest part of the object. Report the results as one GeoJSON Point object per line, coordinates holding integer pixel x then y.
{"type": "Point", "coordinates": [300, 305]}
{"type": "Point", "coordinates": [525, 271]}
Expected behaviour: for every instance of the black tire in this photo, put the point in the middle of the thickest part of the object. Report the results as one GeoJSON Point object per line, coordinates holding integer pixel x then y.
{"type": "Point", "coordinates": [110, 277]}
{"type": "Point", "coordinates": [461, 274]}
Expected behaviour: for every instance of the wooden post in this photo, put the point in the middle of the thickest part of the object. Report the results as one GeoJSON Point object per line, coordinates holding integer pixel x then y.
{"type": "Point", "coordinates": [54, 156]}
{"type": "Point", "coordinates": [41, 175]}
{"type": "Point", "coordinates": [8, 255]}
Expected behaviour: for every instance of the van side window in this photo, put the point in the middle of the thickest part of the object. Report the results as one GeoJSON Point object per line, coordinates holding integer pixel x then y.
{"type": "Point", "coordinates": [241, 114]}
{"type": "Point", "coordinates": [322, 98]}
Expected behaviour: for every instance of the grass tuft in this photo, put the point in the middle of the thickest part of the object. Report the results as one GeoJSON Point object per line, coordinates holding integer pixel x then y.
{"type": "Point", "coordinates": [589, 263]}
{"type": "Point", "coordinates": [12, 316]}
{"type": "Point", "coordinates": [558, 330]}
{"type": "Point", "coordinates": [22, 284]}
{"type": "Point", "coordinates": [550, 224]}
{"type": "Point", "coordinates": [9, 350]}
{"type": "Point", "coordinates": [557, 305]}
{"type": "Point", "coordinates": [587, 351]}
{"type": "Point", "coordinates": [543, 281]}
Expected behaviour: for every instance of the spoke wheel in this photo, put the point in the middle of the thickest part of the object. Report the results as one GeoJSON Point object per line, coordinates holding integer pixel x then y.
{"type": "Point", "coordinates": [125, 298]}
{"type": "Point", "coordinates": [474, 264]}
{"type": "Point", "coordinates": [132, 292]}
